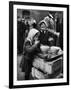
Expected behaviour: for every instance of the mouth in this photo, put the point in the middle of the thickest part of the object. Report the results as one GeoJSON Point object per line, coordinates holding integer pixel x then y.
{"type": "Point", "coordinates": [43, 28]}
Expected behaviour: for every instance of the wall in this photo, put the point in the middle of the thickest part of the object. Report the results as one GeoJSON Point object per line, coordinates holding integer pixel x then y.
{"type": "Point", "coordinates": [4, 44]}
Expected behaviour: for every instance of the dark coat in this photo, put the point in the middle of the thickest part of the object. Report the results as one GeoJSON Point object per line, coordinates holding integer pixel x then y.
{"type": "Point", "coordinates": [21, 27]}
{"type": "Point", "coordinates": [43, 38]}
{"type": "Point", "coordinates": [29, 56]}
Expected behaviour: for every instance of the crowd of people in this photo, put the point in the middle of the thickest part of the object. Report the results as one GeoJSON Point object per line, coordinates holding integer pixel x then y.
{"type": "Point", "coordinates": [32, 36]}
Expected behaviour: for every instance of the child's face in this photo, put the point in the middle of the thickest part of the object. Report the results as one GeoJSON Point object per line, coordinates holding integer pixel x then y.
{"type": "Point", "coordinates": [36, 37]}
{"type": "Point", "coordinates": [43, 26]}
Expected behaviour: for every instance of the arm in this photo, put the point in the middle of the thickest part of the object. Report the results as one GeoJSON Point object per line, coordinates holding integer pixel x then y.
{"type": "Point", "coordinates": [53, 32]}
{"type": "Point", "coordinates": [30, 48]}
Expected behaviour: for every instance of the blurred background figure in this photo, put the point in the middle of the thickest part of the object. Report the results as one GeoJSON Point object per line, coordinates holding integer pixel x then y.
{"type": "Point", "coordinates": [59, 27]}
{"type": "Point", "coordinates": [22, 26]}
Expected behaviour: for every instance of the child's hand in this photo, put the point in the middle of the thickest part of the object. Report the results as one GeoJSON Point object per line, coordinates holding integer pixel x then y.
{"type": "Point", "coordinates": [37, 42]}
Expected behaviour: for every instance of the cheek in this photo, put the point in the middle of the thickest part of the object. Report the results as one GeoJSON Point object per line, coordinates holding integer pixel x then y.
{"type": "Point", "coordinates": [43, 26]}
{"type": "Point", "coordinates": [36, 38]}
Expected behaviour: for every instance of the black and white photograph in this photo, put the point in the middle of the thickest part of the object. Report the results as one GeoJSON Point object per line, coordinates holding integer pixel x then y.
{"type": "Point", "coordinates": [39, 44]}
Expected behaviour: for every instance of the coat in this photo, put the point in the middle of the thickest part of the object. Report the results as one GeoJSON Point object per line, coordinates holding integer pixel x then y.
{"type": "Point", "coordinates": [30, 50]}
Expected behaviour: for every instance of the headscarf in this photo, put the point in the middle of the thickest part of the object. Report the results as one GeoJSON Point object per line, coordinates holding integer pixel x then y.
{"type": "Point", "coordinates": [31, 34]}
{"type": "Point", "coordinates": [43, 21]}
{"type": "Point", "coordinates": [48, 22]}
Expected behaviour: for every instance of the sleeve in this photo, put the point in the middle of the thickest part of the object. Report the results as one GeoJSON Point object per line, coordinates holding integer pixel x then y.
{"type": "Point", "coordinates": [28, 47]}
{"type": "Point", "coordinates": [60, 51]}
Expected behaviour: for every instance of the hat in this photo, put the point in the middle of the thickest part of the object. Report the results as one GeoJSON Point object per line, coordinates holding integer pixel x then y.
{"type": "Point", "coordinates": [48, 20]}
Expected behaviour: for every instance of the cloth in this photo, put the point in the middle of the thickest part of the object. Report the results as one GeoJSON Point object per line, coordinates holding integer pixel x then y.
{"type": "Point", "coordinates": [28, 56]}
{"type": "Point", "coordinates": [49, 22]}
{"type": "Point", "coordinates": [51, 66]}
{"type": "Point", "coordinates": [21, 28]}
{"type": "Point", "coordinates": [43, 38]}
{"type": "Point", "coordinates": [31, 34]}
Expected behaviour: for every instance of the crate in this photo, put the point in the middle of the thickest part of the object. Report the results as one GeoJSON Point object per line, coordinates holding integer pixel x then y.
{"type": "Point", "coordinates": [47, 69]}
